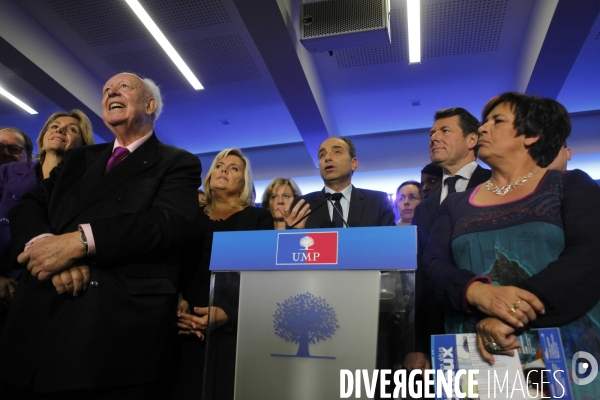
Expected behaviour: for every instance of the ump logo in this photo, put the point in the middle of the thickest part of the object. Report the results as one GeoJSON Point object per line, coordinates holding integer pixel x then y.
{"type": "Point", "coordinates": [579, 368]}
{"type": "Point", "coordinates": [307, 248]}
{"type": "Point", "coordinates": [304, 319]}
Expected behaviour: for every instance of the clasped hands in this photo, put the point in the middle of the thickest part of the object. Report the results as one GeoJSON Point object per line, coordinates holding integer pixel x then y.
{"type": "Point", "coordinates": [508, 308]}
{"type": "Point", "coordinates": [190, 324]}
{"type": "Point", "coordinates": [58, 258]}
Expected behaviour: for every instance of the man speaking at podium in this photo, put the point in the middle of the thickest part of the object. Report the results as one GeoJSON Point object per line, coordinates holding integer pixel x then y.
{"type": "Point", "coordinates": [347, 206]}
{"type": "Point", "coordinates": [353, 208]}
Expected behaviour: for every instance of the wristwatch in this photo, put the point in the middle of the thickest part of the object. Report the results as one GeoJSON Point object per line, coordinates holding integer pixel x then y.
{"type": "Point", "coordinates": [84, 240]}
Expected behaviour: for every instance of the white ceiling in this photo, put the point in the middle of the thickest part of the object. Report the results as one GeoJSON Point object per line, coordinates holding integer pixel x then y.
{"type": "Point", "coordinates": [266, 94]}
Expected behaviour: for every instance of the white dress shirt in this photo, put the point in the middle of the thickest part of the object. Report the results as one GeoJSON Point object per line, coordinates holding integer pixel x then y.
{"type": "Point", "coordinates": [461, 184]}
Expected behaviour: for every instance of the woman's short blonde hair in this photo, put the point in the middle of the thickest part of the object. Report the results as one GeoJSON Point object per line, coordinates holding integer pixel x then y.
{"type": "Point", "coordinates": [245, 198]}
{"type": "Point", "coordinates": [85, 126]}
{"type": "Point", "coordinates": [275, 183]}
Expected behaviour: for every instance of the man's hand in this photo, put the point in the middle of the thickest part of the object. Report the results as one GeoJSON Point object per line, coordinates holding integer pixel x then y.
{"type": "Point", "coordinates": [296, 214]}
{"type": "Point", "coordinates": [416, 360]}
{"type": "Point", "coordinates": [50, 255]}
{"type": "Point", "coordinates": [7, 289]}
{"type": "Point", "coordinates": [73, 280]}
{"type": "Point", "coordinates": [183, 307]}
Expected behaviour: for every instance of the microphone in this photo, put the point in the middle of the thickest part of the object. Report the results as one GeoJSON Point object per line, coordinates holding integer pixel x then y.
{"type": "Point", "coordinates": [327, 197]}
{"type": "Point", "coordinates": [336, 197]}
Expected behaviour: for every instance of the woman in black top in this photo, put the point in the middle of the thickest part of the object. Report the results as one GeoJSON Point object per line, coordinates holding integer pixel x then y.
{"type": "Point", "coordinates": [227, 207]}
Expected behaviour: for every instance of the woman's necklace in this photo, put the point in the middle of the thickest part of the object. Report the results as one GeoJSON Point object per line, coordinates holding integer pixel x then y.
{"type": "Point", "coordinates": [223, 214]}
{"type": "Point", "coordinates": [502, 190]}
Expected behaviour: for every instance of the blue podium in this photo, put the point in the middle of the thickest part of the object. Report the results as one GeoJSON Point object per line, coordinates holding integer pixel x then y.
{"type": "Point", "coordinates": [304, 305]}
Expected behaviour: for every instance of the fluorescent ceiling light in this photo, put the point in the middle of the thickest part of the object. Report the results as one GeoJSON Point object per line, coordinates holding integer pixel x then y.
{"type": "Point", "coordinates": [17, 101]}
{"type": "Point", "coordinates": [413, 8]}
{"type": "Point", "coordinates": [164, 43]}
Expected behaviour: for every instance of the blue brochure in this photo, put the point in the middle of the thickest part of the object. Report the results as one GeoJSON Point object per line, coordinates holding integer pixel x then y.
{"type": "Point", "coordinates": [537, 369]}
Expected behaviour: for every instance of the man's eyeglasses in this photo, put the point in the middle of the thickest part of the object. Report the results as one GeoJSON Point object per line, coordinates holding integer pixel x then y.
{"type": "Point", "coordinates": [12, 149]}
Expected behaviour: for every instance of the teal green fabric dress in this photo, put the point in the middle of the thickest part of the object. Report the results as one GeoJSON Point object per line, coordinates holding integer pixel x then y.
{"type": "Point", "coordinates": [547, 242]}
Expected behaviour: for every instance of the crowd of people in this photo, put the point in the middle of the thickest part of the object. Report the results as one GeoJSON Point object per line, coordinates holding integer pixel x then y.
{"type": "Point", "coordinates": [105, 249]}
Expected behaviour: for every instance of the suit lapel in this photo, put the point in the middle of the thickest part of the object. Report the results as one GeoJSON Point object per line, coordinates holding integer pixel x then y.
{"type": "Point", "coordinates": [480, 175]}
{"type": "Point", "coordinates": [95, 185]}
{"type": "Point", "coordinates": [357, 207]}
{"type": "Point", "coordinates": [322, 214]}
{"type": "Point", "coordinates": [95, 163]}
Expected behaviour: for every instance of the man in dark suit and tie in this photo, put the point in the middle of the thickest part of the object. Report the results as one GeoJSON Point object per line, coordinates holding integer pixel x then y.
{"type": "Point", "coordinates": [353, 207]}
{"type": "Point", "coordinates": [453, 146]}
{"type": "Point", "coordinates": [120, 210]}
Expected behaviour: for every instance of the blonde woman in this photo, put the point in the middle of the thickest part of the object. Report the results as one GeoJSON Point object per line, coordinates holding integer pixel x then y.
{"type": "Point", "coordinates": [226, 207]}
{"type": "Point", "coordinates": [61, 132]}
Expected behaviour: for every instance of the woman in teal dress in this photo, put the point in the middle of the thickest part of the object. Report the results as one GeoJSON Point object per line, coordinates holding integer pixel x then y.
{"type": "Point", "coordinates": [523, 249]}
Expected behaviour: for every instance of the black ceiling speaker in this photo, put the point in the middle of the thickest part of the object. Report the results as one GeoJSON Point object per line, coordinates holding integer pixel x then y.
{"type": "Point", "coordinates": [343, 24]}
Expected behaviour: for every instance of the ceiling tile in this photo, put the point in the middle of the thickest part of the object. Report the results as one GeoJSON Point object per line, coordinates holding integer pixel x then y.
{"type": "Point", "coordinates": [462, 27]}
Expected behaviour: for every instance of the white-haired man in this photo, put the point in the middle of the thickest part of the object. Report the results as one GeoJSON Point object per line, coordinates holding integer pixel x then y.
{"type": "Point", "coordinates": [120, 208]}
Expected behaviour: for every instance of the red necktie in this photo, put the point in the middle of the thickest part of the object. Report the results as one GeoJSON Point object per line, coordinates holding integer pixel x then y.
{"type": "Point", "coordinates": [118, 155]}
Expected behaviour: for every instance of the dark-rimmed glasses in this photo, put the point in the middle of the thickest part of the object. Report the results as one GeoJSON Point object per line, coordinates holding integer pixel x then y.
{"type": "Point", "coordinates": [12, 149]}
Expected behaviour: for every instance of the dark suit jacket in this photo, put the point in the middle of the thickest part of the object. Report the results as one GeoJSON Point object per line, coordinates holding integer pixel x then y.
{"type": "Point", "coordinates": [425, 212]}
{"type": "Point", "coordinates": [118, 331]}
{"type": "Point", "coordinates": [367, 208]}
{"type": "Point", "coordinates": [16, 179]}
{"type": "Point", "coordinates": [429, 319]}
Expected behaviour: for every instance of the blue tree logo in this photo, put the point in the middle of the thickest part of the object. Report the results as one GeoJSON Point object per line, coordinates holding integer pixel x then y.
{"type": "Point", "coordinates": [304, 319]}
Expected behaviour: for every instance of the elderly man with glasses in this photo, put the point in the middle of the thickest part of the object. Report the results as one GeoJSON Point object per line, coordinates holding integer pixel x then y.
{"type": "Point", "coordinates": [15, 146]}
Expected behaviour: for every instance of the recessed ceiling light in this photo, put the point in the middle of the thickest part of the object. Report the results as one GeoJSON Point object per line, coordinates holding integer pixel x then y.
{"type": "Point", "coordinates": [17, 101]}
{"type": "Point", "coordinates": [413, 13]}
{"type": "Point", "coordinates": [164, 43]}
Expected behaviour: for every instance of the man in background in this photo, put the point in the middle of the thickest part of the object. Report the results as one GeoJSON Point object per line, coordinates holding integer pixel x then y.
{"type": "Point", "coordinates": [15, 145]}
{"type": "Point", "coordinates": [431, 179]}
{"type": "Point", "coordinates": [561, 160]}
{"type": "Point", "coordinates": [453, 146]}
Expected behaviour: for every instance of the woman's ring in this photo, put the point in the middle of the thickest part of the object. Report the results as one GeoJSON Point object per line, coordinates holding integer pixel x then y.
{"type": "Point", "coordinates": [492, 346]}
{"type": "Point", "coordinates": [513, 310]}
{"type": "Point", "coordinates": [517, 304]}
